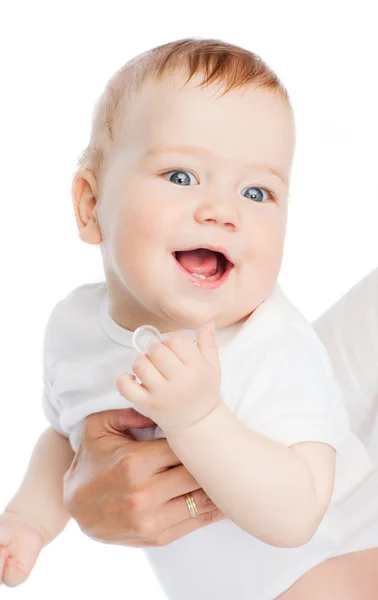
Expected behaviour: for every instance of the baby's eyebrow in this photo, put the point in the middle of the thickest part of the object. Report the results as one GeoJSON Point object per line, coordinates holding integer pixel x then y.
{"type": "Point", "coordinates": [163, 149]}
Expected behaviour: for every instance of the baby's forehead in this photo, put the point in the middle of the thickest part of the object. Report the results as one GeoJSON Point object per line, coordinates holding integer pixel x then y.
{"type": "Point", "coordinates": [174, 95]}
{"type": "Point", "coordinates": [170, 113]}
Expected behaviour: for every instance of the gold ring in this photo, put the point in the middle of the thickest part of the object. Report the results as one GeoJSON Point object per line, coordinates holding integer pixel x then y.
{"type": "Point", "coordinates": [191, 506]}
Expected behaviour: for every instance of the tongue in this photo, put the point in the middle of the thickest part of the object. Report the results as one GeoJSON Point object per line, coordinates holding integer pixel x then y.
{"type": "Point", "coordinates": [203, 262]}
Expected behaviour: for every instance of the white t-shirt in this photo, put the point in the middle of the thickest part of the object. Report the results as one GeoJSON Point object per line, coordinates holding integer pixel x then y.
{"type": "Point", "coordinates": [278, 380]}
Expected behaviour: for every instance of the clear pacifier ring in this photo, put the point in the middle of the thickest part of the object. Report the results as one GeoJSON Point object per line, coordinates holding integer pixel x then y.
{"type": "Point", "coordinates": [144, 336]}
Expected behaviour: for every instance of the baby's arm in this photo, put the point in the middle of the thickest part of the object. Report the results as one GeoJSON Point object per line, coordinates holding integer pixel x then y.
{"type": "Point", "coordinates": [37, 512]}
{"type": "Point", "coordinates": [39, 498]}
{"type": "Point", "coordinates": [277, 494]}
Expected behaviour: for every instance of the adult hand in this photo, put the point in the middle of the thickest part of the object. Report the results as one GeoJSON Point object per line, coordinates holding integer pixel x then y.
{"type": "Point", "coordinates": [128, 492]}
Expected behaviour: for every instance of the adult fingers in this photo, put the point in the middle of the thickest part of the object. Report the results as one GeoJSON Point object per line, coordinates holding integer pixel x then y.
{"type": "Point", "coordinates": [176, 510]}
{"type": "Point", "coordinates": [187, 526]}
{"type": "Point", "coordinates": [171, 484]}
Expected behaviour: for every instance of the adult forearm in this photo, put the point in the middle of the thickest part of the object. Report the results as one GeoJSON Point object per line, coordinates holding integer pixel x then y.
{"type": "Point", "coordinates": [261, 485]}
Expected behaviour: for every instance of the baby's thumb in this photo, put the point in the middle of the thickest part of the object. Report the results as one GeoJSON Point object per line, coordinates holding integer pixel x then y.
{"type": "Point", "coordinates": [207, 344]}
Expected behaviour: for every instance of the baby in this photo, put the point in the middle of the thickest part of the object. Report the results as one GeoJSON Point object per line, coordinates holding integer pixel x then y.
{"type": "Point", "coordinates": [251, 408]}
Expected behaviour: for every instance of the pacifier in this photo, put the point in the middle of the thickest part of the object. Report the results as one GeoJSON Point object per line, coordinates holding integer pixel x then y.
{"type": "Point", "coordinates": [144, 336]}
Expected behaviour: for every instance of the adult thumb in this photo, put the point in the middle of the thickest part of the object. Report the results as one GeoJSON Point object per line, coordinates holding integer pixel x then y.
{"type": "Point", "coordinates": [123, 419]}
{"type": "Point", "coordinates": [207, 344]}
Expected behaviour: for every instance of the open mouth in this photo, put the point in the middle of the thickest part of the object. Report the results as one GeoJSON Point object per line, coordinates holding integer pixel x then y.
{"type": "Point", "coordinates": [204, 264]}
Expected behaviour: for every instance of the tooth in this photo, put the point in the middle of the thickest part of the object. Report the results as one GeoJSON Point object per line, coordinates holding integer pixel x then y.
{"type": "Point", "coordinates": [200, 276]}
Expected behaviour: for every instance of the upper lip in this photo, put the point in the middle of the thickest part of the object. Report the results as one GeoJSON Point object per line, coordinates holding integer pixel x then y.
{"type": "Point", "coordinates": [209, 247]}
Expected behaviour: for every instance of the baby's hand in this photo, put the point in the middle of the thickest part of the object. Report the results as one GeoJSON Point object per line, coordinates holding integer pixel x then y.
{"type": "Point", "coordinates": [20, 545]}
{"type": "Point", "coordinates": [180, 380]}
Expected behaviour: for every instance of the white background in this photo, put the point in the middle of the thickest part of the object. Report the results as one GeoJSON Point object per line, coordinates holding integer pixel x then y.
{"type": "Point", "coordinates": [55, 61]}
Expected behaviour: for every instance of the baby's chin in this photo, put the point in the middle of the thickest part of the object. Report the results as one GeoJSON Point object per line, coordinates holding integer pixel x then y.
{"type": "Point", "coordinates": [194, 322]}
{"type": "Point", "coordinates": [179, 320]}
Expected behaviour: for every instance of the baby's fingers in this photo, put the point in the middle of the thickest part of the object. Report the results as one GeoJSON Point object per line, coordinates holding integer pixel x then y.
{"type": "Point", "coordinates": [21, 546]}
{"type": "Point", "coordinates": [3, 557]}
{"type": "Point", "coordinates": [10, 572]}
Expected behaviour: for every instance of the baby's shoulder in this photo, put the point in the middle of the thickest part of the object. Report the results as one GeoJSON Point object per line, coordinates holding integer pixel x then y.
{"type": "Point", "coordinates": [296, 334]}
{"type": "Point", "coordinates": [82, 298]}
{"type": "Point", "coordinates": [279, 329]}
{"type": "Point", "coordinates": [299, 348]}
{"type": "Point", "coordinates": [282, 348]}
{"type": "Point", "coordinates": [78, 306]}
{"type": "Point", "coordinates": [75, 319]}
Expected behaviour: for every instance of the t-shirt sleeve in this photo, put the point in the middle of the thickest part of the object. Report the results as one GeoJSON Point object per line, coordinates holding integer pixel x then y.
{"type": "Point", "coordinates": [50, 407]}
{"type": "Point", "coordinates": [301, 400]}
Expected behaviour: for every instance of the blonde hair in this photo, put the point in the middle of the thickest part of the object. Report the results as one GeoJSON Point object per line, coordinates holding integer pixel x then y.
{"type": "Point", "coordinates": [219, 62]}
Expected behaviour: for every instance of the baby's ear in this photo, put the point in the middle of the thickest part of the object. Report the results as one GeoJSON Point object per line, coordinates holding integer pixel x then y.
{"type": "Point", "coordinates": [84, 199]}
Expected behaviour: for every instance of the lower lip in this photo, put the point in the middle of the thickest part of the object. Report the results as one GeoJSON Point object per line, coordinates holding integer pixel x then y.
{"type": "Point", "coordinates": [205, 284]}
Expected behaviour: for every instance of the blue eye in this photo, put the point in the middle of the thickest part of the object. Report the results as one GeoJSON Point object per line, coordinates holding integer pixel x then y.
{"type": "Point", "coordinates": [257, 194]}
{"type": "Point", "coordinates": [180, 177]}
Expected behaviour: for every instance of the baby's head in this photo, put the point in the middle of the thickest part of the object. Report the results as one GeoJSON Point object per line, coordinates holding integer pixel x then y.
{"type": "Point", "coordinates": [161, 125]}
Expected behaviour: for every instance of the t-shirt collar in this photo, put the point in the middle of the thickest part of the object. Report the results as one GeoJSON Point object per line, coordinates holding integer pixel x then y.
{"type": "Point", "coordinates": [124, 336]}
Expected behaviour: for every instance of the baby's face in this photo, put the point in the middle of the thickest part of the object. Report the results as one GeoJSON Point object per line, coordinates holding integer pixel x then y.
{"type": "Point", "coordinates": [229, 192]}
